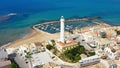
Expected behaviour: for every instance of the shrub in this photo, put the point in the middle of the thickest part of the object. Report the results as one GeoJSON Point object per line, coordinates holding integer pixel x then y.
{"type": "Point", "coordinates": [49, 47]}
{"type": "Point", "coordinates": [103, 34]}
{"type": "Point", "coordinates": [118, 32]}
{"type": "Point", "coordinates": [53, 42]}
{"type": "Point", "coordinates": [74, 53]}
{"type": "Point", "coordinates": [82, 49]}
{"type": "Point", "coordinates": [91, 53]}
{"type": "Point", "coordinates": [77, 58]}
{"type": "Point", "coordinates": [13, 65]}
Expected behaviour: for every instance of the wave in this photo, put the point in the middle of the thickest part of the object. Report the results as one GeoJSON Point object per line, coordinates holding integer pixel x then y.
{"type": "Point", "coordinates": [11, 14]}
{"type": "Point", "coordinates": [6, 17]}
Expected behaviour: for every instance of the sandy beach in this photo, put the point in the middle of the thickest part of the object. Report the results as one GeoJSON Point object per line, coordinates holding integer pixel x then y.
{"type": "Point", "coordinates": [35, 36]}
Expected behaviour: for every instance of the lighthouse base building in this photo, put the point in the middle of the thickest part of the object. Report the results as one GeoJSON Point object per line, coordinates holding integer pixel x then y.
{"type": "Point", "coordinates": [63, 44]}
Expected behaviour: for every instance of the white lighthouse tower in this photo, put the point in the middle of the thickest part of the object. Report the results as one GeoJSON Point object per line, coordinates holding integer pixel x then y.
{"type": "Point", "coordinates": [62, 20]}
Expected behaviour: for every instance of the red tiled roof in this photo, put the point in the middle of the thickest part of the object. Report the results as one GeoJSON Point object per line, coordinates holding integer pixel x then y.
{"type": "Point", "coordinates": [71, 42]}
{"type": "Point", "coordinates": [61, 43]}
{"type": "Point", "coordinates": [111, 48]}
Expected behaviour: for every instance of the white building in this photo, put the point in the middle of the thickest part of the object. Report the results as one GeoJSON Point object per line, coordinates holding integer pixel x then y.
{"type": "Point", "coordinates": [4, 62]}
{"type": "Point", "coordinates": [3, 53]}
{"type": "Point", "coordinates": [31, 47]}
{"type": "Point", "coordinates": [101, 42]}
{"type": "Point", "coordinates": [41, 59]}
{"type": "Point", "coordinates": [37, 58]}
{"type": "Point", "coordinates": [113, 52]}
{"type": "Point", "coordinates": [62, 29]}
{"type": "Point", "coordinates": [90, 60]}
{"type": "Point", "coordinates": [68, 45]}
{"type": "Point", "coordinates": [88, 36]}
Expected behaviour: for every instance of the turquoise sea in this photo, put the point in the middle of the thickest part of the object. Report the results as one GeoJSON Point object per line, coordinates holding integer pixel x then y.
{"type": "Point", "coordinates": [30, 12]}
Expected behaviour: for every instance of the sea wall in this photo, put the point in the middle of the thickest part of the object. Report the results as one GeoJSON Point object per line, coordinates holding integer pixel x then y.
{"type": "Point", "coordinates": [68, 21]}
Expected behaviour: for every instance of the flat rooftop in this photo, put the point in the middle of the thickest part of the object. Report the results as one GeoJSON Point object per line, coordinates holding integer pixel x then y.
{"type": "Point", "coordinates": [41, 58]}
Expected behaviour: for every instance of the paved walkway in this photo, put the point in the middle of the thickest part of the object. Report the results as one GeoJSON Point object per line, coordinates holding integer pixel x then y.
{"type": "Point", "coordinates": [105, 63]}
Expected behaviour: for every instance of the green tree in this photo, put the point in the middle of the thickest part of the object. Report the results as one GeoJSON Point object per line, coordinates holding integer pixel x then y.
{"type": "Point", "coordinates": [70, 31]}
{"type": "Point", "coordinates": [91, 53]}
{"type": "Point", "coordinates": [49, 47]}
{"type": "Point", "coordinates": [118, 32]}
{"type": "Point", "coordinates": [103, 34]}
{"type": "Point", "coordinates": [53, 42]}
{"type": "Point", "coordinates": [70, 56]}
{"type": "Point", "coordinates": [77, 58]}
{"type": "Point", "coordinates": [13, 65]}
{"type": "Point", "coordinates": [78, 43]}
{"type": "Point", "coordinates": [74, 53]}
{"type": "Point", "coordinates": [82, 49]}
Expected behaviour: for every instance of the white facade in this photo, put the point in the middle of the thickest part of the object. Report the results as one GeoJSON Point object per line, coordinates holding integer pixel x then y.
{"type": "Point", "coordinates": [4, 62]}
{"type": "Point", "coordinates": [41, 58]}
{"type": "Point", "coordinates": [87, 37]}
{"type": "Point", "coordinates": [26, 47]}
{"type": "Point", "coordinates": [118, 37]}
{"type": "Point", "coordinates": [3, 53]}
{"type": "Point", "coordinates": [62, 29]}
{"type": "Point", "coordinates": [90, 60]}
{"type": "Point", "coordinates": [110, 54]}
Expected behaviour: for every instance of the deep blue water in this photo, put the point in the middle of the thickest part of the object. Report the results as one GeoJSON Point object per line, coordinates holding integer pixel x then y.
{"type": "Point", "coordinates": [30, 12]}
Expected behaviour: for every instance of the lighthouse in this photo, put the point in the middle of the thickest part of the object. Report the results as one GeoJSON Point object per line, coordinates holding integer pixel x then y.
{"type": "Point", "coordinates": [62, 20]}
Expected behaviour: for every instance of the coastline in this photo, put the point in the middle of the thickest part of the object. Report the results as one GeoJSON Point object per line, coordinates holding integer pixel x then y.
{"type": "Point", "coordinates": [37, 35]}
{"type": "Point", "coordinates": [23, 37]}
{"type": "Point", "coordinates": [33, 30]}
{"type": "Point", "coordinates": [51, 22]}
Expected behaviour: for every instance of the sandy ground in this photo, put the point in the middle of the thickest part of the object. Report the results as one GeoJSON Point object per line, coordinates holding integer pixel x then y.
{"type": "Point", "coordinates": [35, 36]}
